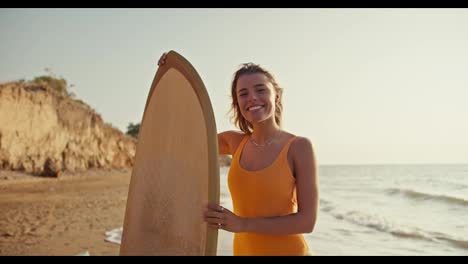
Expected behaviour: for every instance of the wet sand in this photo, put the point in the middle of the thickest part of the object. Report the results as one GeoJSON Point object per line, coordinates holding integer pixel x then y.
{"type": "Point", "coordinates": [61, 216]}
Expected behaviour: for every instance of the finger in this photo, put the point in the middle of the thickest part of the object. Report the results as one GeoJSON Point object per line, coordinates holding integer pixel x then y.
{"type": "Point", "coordinates": [215, 226]}
{"type": "Point", "coordinates": [214, 214]}
{"type": "Point", "coordinates": [217, 207]}
{"type": "Point", "coordinates": [216, 221]}
{"type": "Point", "coordinates": [213, 206]}
{"type": "Point", "coordinates": [162, 59]}
{"type": "Point", "coordinates": [212, 220]}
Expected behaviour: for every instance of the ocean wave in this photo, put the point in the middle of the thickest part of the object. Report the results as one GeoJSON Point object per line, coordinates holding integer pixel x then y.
{"type": "Point", "coordinates": [382, 224]}
{"type": "Point", "coordinates": [428, 196]}
{"type": "Point", "coordinates": [326, 206]}
{"type": "Point", "coordinates": [379, 223]}
{"type": "Point", "coordinates": [456, 242]}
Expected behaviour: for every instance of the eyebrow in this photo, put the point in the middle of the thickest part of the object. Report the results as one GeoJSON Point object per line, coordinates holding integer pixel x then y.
{"type": "Point", "coordinates": [256, 85]}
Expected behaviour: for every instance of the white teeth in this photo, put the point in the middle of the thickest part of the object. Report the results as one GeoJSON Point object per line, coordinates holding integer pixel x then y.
{"type": "Point", "coordinates": [253, 108]}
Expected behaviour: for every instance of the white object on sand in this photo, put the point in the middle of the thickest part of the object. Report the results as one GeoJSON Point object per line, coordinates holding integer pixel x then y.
{"type": "Point", "coordinates": [114, 235]}
{"type": "Point", "coordinates": [84, 253]}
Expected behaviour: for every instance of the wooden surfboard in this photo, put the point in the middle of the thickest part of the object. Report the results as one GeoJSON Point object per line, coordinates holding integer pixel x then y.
{"type": "Point", "coordinates": [176, 170]}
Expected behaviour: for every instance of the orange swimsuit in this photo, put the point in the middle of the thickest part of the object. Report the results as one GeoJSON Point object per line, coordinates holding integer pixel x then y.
{"type": "Point", "coordinates": [264, 193]}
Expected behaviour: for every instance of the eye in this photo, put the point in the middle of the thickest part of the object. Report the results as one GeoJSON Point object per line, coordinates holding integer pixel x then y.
{"type": "Point", "coordinates": [242, 94]}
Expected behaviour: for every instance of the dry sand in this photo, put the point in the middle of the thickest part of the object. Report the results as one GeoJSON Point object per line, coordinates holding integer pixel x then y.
{"type": "Point", "coordinates": [64, 216]}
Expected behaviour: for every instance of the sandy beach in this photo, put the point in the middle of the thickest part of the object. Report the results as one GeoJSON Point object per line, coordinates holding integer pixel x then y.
{"type": "Point", "coordinates": [61, 216]}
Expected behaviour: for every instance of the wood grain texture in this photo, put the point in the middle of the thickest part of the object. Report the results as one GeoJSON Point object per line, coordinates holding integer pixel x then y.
{"type": "Point", "coordinates": [176, 170]}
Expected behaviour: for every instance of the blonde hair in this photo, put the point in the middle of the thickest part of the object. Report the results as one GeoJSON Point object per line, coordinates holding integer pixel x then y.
{"type": "Point", "coordinates": [251, 68]}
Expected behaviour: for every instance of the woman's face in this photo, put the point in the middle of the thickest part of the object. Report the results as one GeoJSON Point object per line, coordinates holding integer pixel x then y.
{"type": "Point", "coordinates": [256, 97]}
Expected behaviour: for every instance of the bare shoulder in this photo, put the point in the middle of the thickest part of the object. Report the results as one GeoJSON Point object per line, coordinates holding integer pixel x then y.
{"type": "Point", "coordinates": [302, 141]}
{"type": "Point", "coordinates": [303, 158]}
{"type": "Point", "coordinates": [232, 135]}
{"type": "Point", "coordinates": [302, 146]}
{"type": "Point", "coordinates": [231, 140]}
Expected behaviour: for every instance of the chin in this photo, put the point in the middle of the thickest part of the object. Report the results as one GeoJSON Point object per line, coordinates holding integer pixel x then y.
{"type": "Point", "coordinates": [258, 120]}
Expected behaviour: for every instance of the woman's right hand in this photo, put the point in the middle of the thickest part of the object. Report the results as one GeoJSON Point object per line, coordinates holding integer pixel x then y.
{"type": "Point", "coordinates": [162, 59]}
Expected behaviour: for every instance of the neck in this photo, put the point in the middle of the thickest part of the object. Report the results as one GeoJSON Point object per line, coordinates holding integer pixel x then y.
{"type": "Point", "coordinates": [264, 132]}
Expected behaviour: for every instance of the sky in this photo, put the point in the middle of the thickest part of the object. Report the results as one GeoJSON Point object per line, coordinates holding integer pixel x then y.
{"type": "Point", "coordinates": [366, 86]}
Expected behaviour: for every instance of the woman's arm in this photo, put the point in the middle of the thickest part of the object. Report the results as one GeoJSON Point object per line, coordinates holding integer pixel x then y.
{"type": "Point", "coordinates": [307, 195]}
{"type": "Point", "coordinates": [228, 142]}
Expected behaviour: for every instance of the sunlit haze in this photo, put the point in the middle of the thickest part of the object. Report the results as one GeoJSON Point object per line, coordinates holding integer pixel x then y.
{"type": "Point", "coordinates": [364, 85]}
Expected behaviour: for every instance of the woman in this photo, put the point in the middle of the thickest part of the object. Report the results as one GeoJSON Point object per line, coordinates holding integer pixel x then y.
{"type": "Point", "coordinates": [272, 177]}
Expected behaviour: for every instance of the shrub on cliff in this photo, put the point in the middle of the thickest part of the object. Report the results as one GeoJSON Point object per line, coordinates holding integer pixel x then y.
{"type": "Point", "coordinates": [57, 84]}
{"type": "Point", "coordinates": [133, 129]}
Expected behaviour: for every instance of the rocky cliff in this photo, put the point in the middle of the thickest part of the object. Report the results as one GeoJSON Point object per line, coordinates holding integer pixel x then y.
{"type": "Point", "coordinates": [43, 132]}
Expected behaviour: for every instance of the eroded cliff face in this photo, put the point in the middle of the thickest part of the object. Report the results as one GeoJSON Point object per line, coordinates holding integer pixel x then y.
{"type": "Point", "coordinates": [44, 133]}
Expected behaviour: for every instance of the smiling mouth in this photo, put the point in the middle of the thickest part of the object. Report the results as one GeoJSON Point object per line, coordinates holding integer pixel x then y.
{"type": "Point", "coordinates": [254, 108]}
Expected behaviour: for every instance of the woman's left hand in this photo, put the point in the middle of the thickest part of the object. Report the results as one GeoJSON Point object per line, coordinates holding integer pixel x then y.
{"type": "Point", "coordinates": [219, 217]}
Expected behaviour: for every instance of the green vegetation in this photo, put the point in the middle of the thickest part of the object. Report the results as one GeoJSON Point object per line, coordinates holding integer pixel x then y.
{"type": "Point", "coordinates": [133, 129]}
{"type": "Point", "coordinates": [57, 84]}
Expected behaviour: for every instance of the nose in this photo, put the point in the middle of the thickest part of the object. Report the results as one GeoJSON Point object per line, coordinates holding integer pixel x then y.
{"type": "Point", "coordinates": [252, 97]}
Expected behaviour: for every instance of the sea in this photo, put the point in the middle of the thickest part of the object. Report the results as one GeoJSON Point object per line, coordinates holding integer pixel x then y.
{"type": "Point", "coordinates": [384, 210]}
